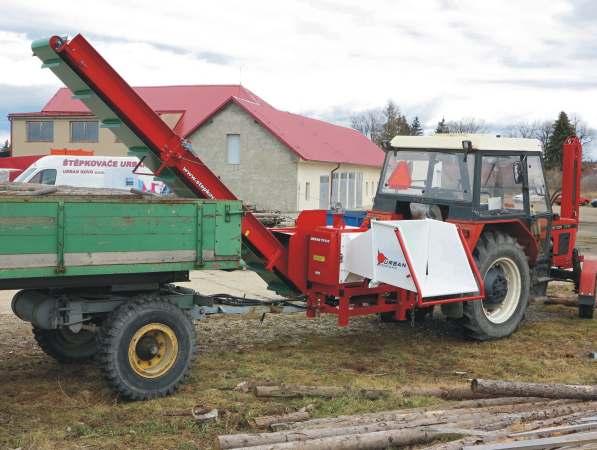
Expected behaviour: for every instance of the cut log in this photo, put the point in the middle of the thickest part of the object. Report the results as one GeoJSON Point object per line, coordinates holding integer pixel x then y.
{"type": "Point", "coordinates": [460, 418]}
{"type": "Point", "coordinates": [260, 439]}
{"type": "Point", "coordinates": [446, 393]}
{"type": "Point", "coordinates": [519, 389]}
{"type": "Point", "coordinates": [503, 433]}
{"type": "Point", "coordinates": [291, 391]}
{"type": "Point", "coordinates": [375, 440]}
{"type": "Point", "coordinates": [538, 444]}
{"type": "Point", "coordinates": [266, 421]}
{"type": "Point", "coordinates": [489, 423]}
{"type": "Point", "coordinates": [562, 429]}
{"type": "Point", "coordinates": [541, 414]}
{"type": "Point", "coordinates": [471, 406]}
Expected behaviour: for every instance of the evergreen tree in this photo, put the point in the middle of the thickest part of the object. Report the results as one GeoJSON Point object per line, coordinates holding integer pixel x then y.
{"type": "Point", "coordinates": [561, 129]}
{"type": "Point", "coordinates": [442, 127]}
{"type": "Point", "coordinates": [5, 149]}
{"type": "Point", "coordinates": [395, 123]}
{"type": "Point", "coordinates": [415, 127]}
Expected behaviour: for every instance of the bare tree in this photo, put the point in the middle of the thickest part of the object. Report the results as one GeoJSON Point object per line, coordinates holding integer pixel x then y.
{"type": "Point", "coordinates": [531, 130]}
{"type": "Point", "coordinates": [544, 133]}
{"type": "Point", "coordinates": [584, 133]}
{"type": "Point", "coordinates": [526, 130]}
{"type": "Point", "coordinates": [369, 123]}
{"type": "Point", "coordinates": [467, 125]}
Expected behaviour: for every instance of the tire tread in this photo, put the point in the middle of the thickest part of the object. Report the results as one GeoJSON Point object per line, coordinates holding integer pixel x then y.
{"type": "Point", "coordinates": [487, 241]}
{"type": "Point", "coordinates": [109, 333]}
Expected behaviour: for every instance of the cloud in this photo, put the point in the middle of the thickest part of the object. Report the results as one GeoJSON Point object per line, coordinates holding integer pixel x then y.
{"type": "Point", "coordinates": [437, 58]}
{"type": "Point", "coordinates": [20, 99]}
{"type": "Point", "coordinates": [570, 84]}
{"type": "Point", "coordinates": [582, 12]}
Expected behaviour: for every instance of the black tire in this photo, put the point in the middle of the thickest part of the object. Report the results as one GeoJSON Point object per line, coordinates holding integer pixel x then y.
{"type": "Point", "coordinates": [65, 346]}
{"type": "Point", "coordinates": [119, 336]}
{"type": "Point", "coordinates": [490, 318]}
{"type": "Point", "coordinates": [586, 311]}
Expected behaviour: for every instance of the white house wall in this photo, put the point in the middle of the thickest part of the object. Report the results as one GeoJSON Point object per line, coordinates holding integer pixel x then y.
{"type": "Point", "coordinates": [310, 172]}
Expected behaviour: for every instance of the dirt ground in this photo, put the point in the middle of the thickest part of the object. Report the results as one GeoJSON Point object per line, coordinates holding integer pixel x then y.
{"type": "Point", "coordinates": [48, 406]}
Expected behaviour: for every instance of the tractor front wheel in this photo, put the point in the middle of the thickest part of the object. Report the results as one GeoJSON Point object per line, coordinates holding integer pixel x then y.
{"type": "Point", "coordinates": [147, 346]}
{"type": "Point", "coordinates": [503, 265]}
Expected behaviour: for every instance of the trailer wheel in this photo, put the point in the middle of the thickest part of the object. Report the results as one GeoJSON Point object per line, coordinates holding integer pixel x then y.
{"type": "Point", "coordinates": [65, 346]}
{"type": "Point", "coordinates": [147, 347]}
{"type": "Point", "coordinates": [505, 270]}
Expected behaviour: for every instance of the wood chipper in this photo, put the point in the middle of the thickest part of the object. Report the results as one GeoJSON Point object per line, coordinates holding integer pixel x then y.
{"type": "Point", "coordinates": [461, 221]}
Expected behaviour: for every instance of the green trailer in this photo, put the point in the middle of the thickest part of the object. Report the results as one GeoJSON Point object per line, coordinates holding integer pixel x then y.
{"type": "Point", "coordinates": [96, 274]}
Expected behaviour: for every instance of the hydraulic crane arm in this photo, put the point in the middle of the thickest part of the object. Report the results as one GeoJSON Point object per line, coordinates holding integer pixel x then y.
{"type": "Point", "coordinates": [571, 175]}
{"type": "Point", "coordinates": [118, 107]}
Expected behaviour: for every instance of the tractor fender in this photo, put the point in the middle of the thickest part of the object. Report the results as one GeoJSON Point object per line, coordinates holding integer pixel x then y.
{"type": "Point", "coordinates": [588, 278]}
{"type": "Point", "coordinates": [472, 231]}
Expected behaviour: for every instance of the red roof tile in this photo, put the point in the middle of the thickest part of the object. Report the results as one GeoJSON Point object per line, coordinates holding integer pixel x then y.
{"type": "Point", "coordinates": [311, 139]}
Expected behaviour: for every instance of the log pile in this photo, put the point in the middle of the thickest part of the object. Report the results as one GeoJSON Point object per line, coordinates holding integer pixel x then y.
{"type": "Point", "coordinates": [533, 419]}
{"type": "Point", "coordinates": [42, 190]}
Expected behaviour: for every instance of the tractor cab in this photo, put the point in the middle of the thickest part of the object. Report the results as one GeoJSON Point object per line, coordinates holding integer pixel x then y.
{"type": "Point", "coordinates": [463, 177]}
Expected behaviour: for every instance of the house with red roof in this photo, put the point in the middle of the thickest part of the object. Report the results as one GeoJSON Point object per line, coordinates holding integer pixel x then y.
{"type": "Point", "coordinates": [270, 158]}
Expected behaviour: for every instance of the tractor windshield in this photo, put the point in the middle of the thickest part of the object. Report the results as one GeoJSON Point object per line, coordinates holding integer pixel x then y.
{"type": "Point", "coordinates": [430, 174]}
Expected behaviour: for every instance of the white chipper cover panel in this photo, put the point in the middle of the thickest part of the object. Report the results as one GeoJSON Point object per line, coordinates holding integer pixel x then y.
{"type": "Point", "coordinates": [436, 253]}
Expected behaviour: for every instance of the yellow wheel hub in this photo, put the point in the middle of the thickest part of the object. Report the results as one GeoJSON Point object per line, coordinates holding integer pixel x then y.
{"type": "Point", "coordinates": [153, 350]}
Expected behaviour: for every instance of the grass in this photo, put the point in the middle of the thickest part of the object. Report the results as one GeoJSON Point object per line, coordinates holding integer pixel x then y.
{"type": "Point", "coordinates": [46, 406]}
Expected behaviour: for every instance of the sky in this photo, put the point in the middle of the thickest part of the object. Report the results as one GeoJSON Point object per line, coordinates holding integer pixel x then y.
{"type": "Point", "coordinates": [500, 61]}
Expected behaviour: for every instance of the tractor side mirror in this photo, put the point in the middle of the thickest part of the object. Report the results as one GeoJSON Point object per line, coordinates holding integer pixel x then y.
{"type": "Point", "coordinates": [517, 172]}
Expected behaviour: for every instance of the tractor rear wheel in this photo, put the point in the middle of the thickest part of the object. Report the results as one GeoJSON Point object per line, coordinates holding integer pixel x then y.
{"type": "Point", "coordinates": [147, 346]}
{"type": "Point", "coordinates": [504, 267]}
{"type": "Point", "coordinates": [65, 346]}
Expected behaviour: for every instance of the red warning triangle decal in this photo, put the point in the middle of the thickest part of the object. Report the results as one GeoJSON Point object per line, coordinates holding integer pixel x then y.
{"type": "Point", "coordinates": [400, 177]}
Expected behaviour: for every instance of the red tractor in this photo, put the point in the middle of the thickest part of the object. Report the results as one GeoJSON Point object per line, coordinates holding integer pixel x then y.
{"type": "Point", "coordinates": [494, 190]}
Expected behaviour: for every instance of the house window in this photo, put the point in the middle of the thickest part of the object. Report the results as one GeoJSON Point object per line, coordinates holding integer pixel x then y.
{"type": "Point", "coordinates": [324, 192]}
{"type": "Point", "coordinates": [307, 191]}
{"type": "Point", "coordinates": [84, 131]}
{"type": "Point", "coordinates": [233, 145]}
{"type": "Point", "coordinates": [40, 131]}
{"type": "Point", "coordinates": [359, 192]}
{"type": "Point", "coordinates": [348, 189]}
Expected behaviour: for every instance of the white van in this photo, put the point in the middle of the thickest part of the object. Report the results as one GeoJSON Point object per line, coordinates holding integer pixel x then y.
{"type": "Point", "coordinates": [92, 171]}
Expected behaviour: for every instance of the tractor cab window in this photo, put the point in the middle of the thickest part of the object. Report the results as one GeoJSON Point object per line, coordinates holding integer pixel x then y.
{"type": "Point", "coordinates": [427, 174]}
{"type": "Point", "coordinates": [537, 189]}
{"type": "Point", "coordinates": [501, 184]}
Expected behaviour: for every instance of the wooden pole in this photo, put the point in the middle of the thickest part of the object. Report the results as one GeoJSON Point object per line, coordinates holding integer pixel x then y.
{"type": "Point", "coordinates": [471, 418]}
{"type": "Point", "coordinates": [489, 406]}
{"type": "Point", "coordinates": [266, 421]}
{"type": "Point", "coordinates": [520, 389]}
{"type": "Point", "coordinates": [291, 391]}
{"type": "Point", "coordinates": [380, 439]}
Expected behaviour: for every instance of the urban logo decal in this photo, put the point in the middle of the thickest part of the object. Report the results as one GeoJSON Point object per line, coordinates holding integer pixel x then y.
{"type": "Point", "coordinates": [383, 260]}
